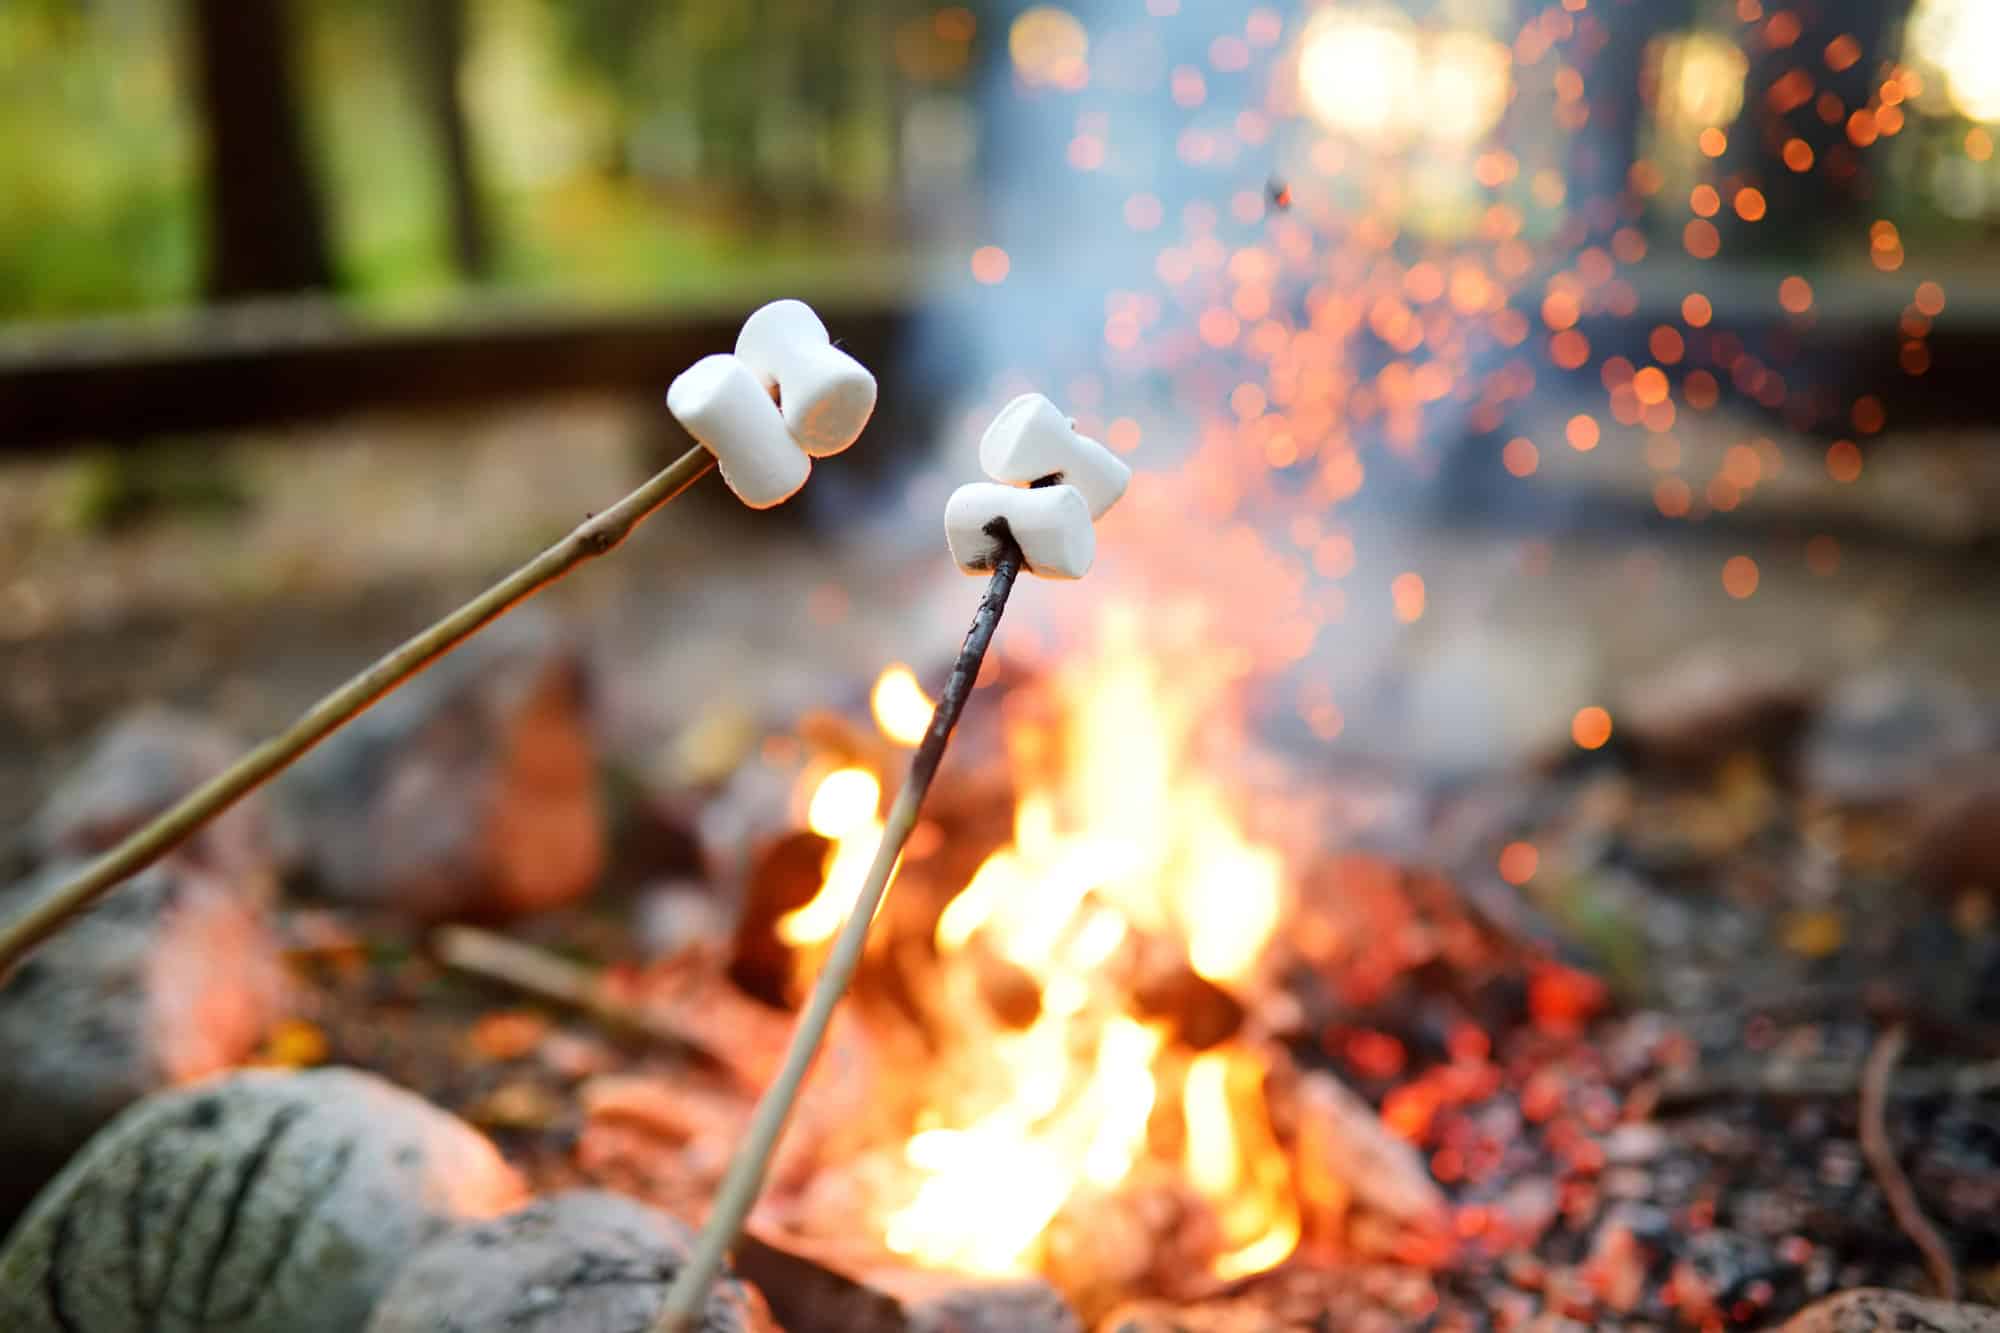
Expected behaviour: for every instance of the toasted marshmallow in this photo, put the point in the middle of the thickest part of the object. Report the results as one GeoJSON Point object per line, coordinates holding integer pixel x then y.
{"type": "Point", "coordinates": [1031, 441]}
{"type": "Point", "coordinates": [1051, 524]}
{"type": "Point", "coordinates": [825, 395]}
{"type": "Point", "coordinates": [724, 406]}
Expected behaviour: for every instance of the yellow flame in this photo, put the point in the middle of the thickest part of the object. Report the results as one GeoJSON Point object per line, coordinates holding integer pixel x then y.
{"type": "Point", "coordinates": [1236, 1164]}
{"type": "Point", "coordinates": [1122, 849]}
{"type": "Point", "coordinates": [844, 801]}
{"type": "Point", "coordinates": [843, 809]}
{"type": "Point", "coordinates": [902, 709]}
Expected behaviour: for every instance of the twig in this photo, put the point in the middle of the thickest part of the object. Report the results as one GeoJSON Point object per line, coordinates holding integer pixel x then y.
{"type": "Point", "coordinates": [1881, 1155]}
{"type": "Point", "coordinates": [544, 976]}
{"type": "Point", "coordinates": [594, 537]}
{"type": "Point", "coordinates": [745, 1178]}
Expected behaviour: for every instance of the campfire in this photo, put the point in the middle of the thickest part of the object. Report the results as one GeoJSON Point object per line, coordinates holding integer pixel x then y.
{"type": "Point", "coordinates": [1086, 990]}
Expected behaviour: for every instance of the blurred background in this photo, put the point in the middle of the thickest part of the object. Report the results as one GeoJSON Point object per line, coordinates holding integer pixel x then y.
{"type": "Point", "coordinates": [1559, 564]}
{"type": "Point", "coordinates": [1506, 327]}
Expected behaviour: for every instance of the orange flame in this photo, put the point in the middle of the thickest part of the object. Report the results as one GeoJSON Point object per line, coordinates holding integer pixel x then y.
{"type": "Point", "coordinates": [902, 709]}
{"type": "Point", "coordinates": [1123, 849]}
{"type": "Point", "coordinates": [843, 809]}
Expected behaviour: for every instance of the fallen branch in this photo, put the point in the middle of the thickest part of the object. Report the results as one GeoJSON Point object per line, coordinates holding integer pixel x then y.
{"type": "Point", "coordinates": [594, 537]}
{"type": "Point", "coordinates": [1881, 1155]}
{"type": "Point", "coordinates": [544, 976]}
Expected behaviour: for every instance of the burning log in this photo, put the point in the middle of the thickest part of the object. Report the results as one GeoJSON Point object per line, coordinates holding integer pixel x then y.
{"type": "Point", "coordinates": [1346, 1155]}
{"type": "Point", "coordinates": [783, 878]}
{"type": "Point", "coordinates": [812, 1293]}
{"type": "Point", "coordinates": [1199, 1013]}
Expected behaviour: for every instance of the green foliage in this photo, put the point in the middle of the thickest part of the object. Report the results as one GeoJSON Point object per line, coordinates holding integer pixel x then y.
{"type": "Point", "coordinates": [626, 150]}
{"type": "Point", "coordinates": [98, 167]}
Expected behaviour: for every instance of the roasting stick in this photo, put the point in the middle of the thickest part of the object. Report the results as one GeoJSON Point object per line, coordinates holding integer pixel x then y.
{"type": "Point", "coordinates": [594, 537]}
{"type": "Point", "coordinates": [729, 403]}
{"type": "Point", "coordinates": [745, 1178]}
{"type": "Point", "coordinates": [1060, 483]}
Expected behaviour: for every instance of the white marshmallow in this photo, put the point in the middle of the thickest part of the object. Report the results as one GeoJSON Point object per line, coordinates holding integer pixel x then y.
{"type": "Point", "coordinates": [1050, 523]}
{"type": "Point", "coordinates": [722, 404]}
{"type": "Point", "coordinates": [1031, 439]}
{"type": "Point", "coordinates": [826, 396]}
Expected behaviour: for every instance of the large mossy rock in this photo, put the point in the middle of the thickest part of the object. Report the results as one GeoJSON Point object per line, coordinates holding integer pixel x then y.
{"type": "Point", "coordinates": [260, 1202]}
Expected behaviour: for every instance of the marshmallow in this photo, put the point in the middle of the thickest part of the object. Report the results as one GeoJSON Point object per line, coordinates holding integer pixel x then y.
{"type": "Point", "coordinates": [826, 396]}
{"type": "Point", "coordinates": [1030, 441]}
{"type": "Point", "coordinates": [721, 404]}
{"type": "Point", "coordinates": [1051, 524]}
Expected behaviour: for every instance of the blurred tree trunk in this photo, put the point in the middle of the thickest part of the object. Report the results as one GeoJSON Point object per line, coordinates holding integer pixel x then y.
{"type": "Point", "coordinates": [266, 228]}
{"type": "Point", "coordinates": [441, 58]}
{"type": "Point", "coordinates": [1805, 207]}
{"type": "Point", "coordinates": [1611, 45]}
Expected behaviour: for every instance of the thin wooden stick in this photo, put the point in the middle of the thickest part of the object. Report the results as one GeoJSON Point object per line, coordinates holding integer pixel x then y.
{"type": "Point", "coordinates": [1881, 1155]}
{"type": "Point", "coordinates": [745, 1178]}
{"type": "Point", "coordinates": [592, 538]}
{"type": "Point", "coordinates": [542, 975]}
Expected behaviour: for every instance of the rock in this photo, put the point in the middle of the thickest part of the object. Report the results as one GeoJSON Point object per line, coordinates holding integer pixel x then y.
{"type": "Point", "coordinates": [1883, 735]}
{"type": "Point", "coordinates": [263, 1202]}
{"type": "Point", "coordinates": [963, 1305]}
{"type": "Point", "coordinates": [137, 767]}
{"type": "Point", "coordinates": [171, 976]}
{"type": "Point", "coordinates": [1874, 1310]}
{"type": "Point", "coordinates": [469, 792]}
{"type": "Point", "coordinates": [812, 1291]}
{"type": "Point", "coordinates": [579, 1262]}
{"type": "Point", "coordinates": [1715, 702]}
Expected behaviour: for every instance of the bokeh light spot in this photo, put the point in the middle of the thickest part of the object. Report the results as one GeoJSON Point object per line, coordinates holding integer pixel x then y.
{"type": "Point", "coordinates": [1590, 728]}
{"type": "Point", "coordinates": [1407, 592]}
{"type": "Point", "coordinates": [1739, 576]}
{"type": "Point", "coordinates": [990, 264]}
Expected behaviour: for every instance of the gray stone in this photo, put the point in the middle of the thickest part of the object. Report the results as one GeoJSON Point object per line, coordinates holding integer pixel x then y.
{"type": "Point", "coordinates": [172, 976]}
{"type": "Point", "coordinates": [1885, 733]}
{"type": "Point", "coordinates": [579, 1262]}
{"type": "Point", "coordinates": [136, 768]}
{"type": "Point", "coordinates": [262, 1202]}
{"type": "Point", "coordinates": [469, 792]}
